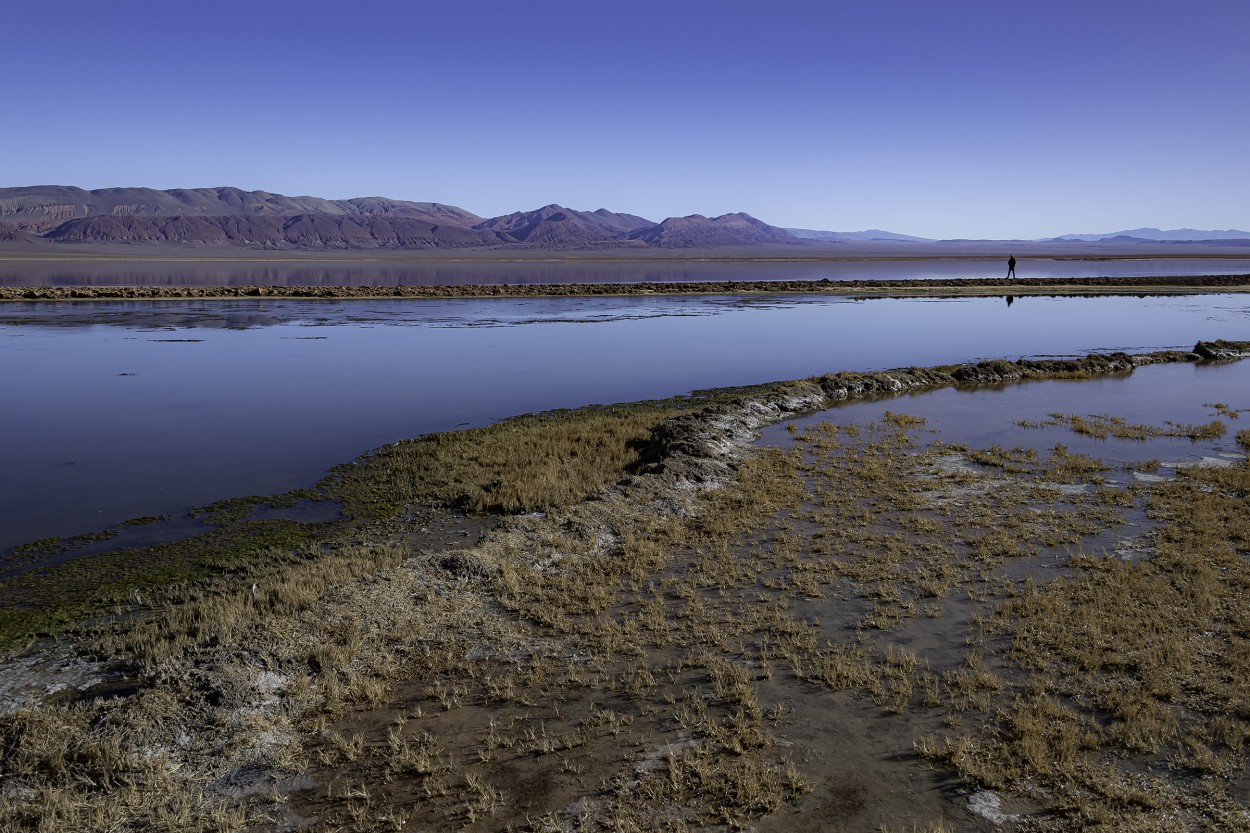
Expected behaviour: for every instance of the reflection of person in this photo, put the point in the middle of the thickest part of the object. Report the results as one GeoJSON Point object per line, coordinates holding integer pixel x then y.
{"type": "Point", "coordinates": [1011, 266]}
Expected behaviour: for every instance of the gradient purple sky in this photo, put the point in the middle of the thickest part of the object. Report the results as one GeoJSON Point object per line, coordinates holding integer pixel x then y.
{"type": "Point", "coordinates": [941, 119]}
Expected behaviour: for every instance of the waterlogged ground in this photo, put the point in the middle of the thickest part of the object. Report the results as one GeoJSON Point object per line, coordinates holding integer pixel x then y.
{"type": "Point", "coordinates": [1017, 416]}
{"type": "Point", "coordinates": [959, 610]}
{"type": "Point", "coordinates": [120, 410]}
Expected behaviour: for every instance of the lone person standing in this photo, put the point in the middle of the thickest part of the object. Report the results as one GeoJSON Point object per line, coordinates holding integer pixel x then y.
{"type": "Point", "coordinates": [1011, 266]}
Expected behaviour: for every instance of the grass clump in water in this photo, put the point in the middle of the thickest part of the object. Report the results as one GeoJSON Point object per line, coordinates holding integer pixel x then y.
{"type": "Point", "coordinates": [1102, 426]}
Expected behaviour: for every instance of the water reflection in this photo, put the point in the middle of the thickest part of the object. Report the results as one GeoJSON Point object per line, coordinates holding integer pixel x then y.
{"type": "Point", "coordinates": [248, 313]}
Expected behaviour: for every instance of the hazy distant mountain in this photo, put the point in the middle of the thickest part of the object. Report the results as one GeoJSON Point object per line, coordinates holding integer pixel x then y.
{"type": "Point", "coordinates": [698, 232]}
{"type": "Point", "coordinates": [1154, 234]}
{"type": "Point", "coordinates": [43, 207]}
{"type": "Point", "coordinates": [854, 236]}
{"type": "Point", "coordinates": [559, 227]}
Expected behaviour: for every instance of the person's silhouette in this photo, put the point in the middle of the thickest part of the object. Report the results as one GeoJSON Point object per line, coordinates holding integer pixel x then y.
{"type": "Point", "coordinates": [1011, 266]}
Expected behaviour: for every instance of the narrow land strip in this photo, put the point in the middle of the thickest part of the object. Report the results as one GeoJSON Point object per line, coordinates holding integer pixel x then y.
{"type": "Point", "coordinates": [938, 287]}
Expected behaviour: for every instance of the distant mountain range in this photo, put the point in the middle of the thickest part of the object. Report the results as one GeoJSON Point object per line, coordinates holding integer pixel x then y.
{"type": "Point", "coordinates": [1154, 234]}
{"type": "Point", "coordinates": [854, 236]}
{"type": "Point", "coordinates": [61, 216]}
{"type": "Point", "coordinates": [218, 217]}
{"type": "Point", "coordinates": [1143, 235]}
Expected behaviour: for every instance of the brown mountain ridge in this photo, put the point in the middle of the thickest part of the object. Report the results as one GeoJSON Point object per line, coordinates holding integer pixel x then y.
{"type": "Point", "coordinates": [557, 226]}
{"type": "Point", "coordinates": [699, 232]}
{"type": "Point", "coordinates": [298, 231]}
{"type": "Point", "coordinates": [234, 218]}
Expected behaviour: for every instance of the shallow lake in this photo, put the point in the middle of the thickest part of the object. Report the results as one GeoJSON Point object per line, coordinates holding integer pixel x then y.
{"type": "Point", "coordinates": [416, 273]}
{"type": "Point", "coordinates": [113, 410]}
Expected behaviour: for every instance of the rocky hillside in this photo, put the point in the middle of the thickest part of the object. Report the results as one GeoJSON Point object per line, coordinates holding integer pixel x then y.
{"type": "Point", "coordinates": [557, 226]}
{"type": "Point", "coordinates": [233, 218]}
{"type": "Point", "coordinates": [10, 233]}
{"type": "Point", "coordinates": [699, 232]}
{"type": "Point", "coordinates": [43, 207]}
{"type": "Point", "coordinates": [300, 231]}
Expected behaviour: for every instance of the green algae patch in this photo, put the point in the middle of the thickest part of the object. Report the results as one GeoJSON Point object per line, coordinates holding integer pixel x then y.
{"type": "Point", "coordinates": [235, 510]}
{"type": "Point", "coordinates": [144, 521]}
{"type": "Point", "coordinates": [46, 600]}
{"type": "Point", "coordinates": [53, 546]}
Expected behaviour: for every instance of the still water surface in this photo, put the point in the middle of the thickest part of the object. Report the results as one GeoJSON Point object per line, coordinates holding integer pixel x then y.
{"type": "Point", "coordinates": [113, 410]}
{"type": "Point", "coordinates": [416, 273]}
{"type": "Point", "coordinates": [1152, 395]}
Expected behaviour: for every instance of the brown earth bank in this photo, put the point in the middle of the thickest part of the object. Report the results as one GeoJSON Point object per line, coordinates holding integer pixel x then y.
{"type": "Point", "coordinates": [866, 288]}
{"type": "Point", "coordinates": [863, 630]}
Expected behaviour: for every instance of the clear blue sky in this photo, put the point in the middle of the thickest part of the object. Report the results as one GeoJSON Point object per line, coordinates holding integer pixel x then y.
{"type": "Point", "coordinates": [942, 119]}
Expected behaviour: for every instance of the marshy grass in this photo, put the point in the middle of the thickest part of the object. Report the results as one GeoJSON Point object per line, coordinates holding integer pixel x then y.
{"type": "Point", "coordinates": [530, 463]}
{"type": "Point", "coordinates": [525, 464]}
{"type": "Point", "coordinates": [645, 658]}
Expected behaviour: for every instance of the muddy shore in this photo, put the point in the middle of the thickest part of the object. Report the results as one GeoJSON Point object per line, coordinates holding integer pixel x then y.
{"type": "Point", "coordinates": [861, 288]}
{"type": "Point", "coordinates": [663, 653]}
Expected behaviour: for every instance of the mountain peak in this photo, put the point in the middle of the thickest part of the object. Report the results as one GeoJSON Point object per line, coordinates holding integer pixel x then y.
{"type": "Point", "coordinates": [696, 231]}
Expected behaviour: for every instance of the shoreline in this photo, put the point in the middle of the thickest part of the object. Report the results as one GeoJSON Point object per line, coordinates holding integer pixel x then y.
{"type": "Point", "coordinates": [938, 287]}
{"type": "Point", "coordinates": [655, 648]}
{"type": "Point", "coordinates": [613, 658]}
{"type": "Point", "coordinates": [422, 475]}
{"type": "Point", "coordinates": [809, 252]}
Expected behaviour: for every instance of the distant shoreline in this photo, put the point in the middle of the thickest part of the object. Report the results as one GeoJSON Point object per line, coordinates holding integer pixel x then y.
{"type": "Point", "coordinates": [938, 287]}
{"type": "Point", "coordinates": [414, 258]}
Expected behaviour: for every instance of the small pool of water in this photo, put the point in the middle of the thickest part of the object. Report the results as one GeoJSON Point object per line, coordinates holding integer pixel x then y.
{"type": "Point", "coordinates": [1153, 395]}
